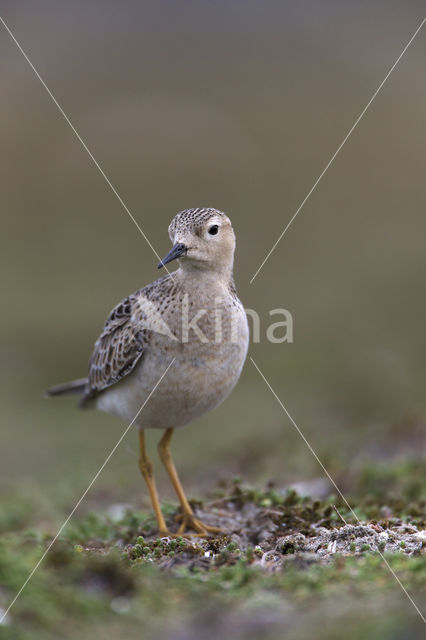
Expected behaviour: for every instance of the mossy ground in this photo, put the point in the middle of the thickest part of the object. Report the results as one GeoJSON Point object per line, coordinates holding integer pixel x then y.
{"type": "Point", "coordinates": [289, 565]}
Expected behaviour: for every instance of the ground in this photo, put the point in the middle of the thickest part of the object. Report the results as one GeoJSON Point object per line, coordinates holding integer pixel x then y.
{"type": "Point", "coordinates": [288, 564]}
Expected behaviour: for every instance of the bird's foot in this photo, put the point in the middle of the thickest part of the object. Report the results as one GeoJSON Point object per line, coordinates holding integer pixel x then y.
{"type": "Point", "coordinates": [165, 533]}
{"type": "Point", "coordinates": [189, 521]}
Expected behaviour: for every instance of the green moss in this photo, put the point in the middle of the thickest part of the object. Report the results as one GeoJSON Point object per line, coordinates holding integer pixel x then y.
{"type": "Point", "coordinates": [100, 567]}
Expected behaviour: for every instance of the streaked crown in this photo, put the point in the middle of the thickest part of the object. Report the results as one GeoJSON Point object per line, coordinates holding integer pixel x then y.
{"type": "Point", "coordinates": [193, 220]}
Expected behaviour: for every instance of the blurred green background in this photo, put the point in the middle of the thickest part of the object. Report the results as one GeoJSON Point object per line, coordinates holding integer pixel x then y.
{"type": "Point", "coordinates": [239, 106]}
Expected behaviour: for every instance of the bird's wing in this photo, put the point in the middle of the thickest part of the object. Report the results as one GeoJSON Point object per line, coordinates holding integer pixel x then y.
{"type": "Point", "coordinates": [118, 349]}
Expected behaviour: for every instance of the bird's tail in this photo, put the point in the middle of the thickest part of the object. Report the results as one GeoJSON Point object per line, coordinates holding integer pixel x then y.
{"type": "Point", "coordinates": [68, 388]}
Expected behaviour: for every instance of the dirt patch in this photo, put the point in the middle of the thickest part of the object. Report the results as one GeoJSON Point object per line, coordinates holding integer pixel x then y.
{"type": "Point", "coordinates": [267, 527]}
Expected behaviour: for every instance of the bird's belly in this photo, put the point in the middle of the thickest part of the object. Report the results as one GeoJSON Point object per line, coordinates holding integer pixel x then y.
{"type": "Point", "coordinates": [197, 381]}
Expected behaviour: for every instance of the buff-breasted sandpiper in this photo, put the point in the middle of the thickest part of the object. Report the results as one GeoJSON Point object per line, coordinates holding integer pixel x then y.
{"type": "Point", "coordinates": [190, 319]}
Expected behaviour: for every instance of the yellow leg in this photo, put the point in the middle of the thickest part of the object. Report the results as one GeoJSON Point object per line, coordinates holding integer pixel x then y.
{"type": "Point", "coordinates": [188, 519]}
{"type": "Point", "coordinates": [145, 465]}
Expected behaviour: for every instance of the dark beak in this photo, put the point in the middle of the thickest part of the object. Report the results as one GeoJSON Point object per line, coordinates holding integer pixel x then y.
{"type": "Point", "coordinates": [175, 252]}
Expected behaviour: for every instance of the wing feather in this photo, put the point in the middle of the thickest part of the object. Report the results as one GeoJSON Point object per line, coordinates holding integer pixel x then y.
{"type": "Point", "coordinates": [118, 349]}
{"type": "Point", "coordinates": [125, 336]}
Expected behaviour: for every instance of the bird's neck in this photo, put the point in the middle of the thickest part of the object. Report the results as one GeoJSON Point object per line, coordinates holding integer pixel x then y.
{"type": "Point", "coordinates": [211, 279]}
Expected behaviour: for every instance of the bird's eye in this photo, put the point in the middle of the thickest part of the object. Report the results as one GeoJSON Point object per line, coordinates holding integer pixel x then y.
{"type": "Point", "coordinates": [214, 229]}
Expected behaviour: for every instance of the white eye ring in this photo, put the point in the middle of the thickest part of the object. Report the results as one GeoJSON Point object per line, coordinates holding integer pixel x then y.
{"type": "Point", "coordinates": [213, 229]}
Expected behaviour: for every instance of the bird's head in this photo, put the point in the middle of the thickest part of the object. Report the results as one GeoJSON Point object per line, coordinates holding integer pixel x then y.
{"type": "Point", "coordinates": [202, 238]}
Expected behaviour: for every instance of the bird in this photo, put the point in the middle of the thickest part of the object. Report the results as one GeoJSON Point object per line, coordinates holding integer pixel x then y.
{"type": "Point", "coordinates": [172, 350]}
